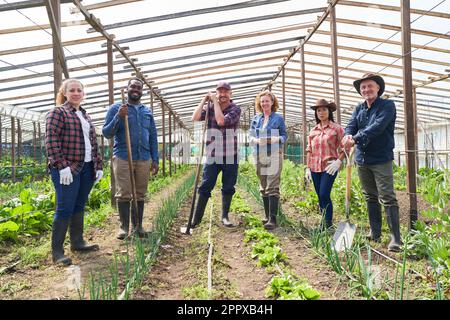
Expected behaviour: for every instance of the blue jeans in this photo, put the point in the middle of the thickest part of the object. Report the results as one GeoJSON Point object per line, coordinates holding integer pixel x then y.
{"type": "Point", "coordinates": [210, 173]}
{"type": "Point", "coordinates": [323, 182]}
{"type": "Point", "coordinates": [71, 199]}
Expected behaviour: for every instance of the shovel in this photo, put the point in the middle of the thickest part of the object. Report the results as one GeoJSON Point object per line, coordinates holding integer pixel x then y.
{"type": "Point", "coordinates": [188, 229]}
{"type": "Point", "coordinates": [345, 231]}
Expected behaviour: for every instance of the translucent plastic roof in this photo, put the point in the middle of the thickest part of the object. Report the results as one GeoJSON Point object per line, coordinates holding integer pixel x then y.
{"type": "Point", "coordinates": [183, 48]}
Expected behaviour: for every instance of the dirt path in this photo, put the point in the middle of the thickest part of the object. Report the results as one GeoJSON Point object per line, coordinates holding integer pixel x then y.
{"type": "Point", "coordinates": [49, 281]}
{"type": "Point", "coordinates": [181, 271]}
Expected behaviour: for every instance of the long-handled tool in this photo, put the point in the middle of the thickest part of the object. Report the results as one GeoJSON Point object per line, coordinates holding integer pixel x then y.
{"type": "Point", "coordinates": [345, 231]}
{"type": "Point", "coordinates": [187, 229]}
{"type": "Point", "coordinates": [130, 163]}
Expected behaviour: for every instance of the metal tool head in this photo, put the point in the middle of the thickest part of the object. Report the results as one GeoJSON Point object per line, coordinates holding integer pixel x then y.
{"type": "Point", "coordinates": [343, 237]}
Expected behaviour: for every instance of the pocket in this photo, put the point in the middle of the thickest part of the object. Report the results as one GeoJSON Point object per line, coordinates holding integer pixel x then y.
{"type": "Point", "coordinates": [146, 121]}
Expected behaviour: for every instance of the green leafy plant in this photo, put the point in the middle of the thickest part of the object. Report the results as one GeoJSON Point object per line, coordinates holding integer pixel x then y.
{"type": "Point", "coordinates": [290, 287]}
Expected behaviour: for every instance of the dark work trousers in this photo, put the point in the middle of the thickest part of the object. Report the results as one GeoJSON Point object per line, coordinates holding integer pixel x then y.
{"type": "Point", "coordinates": [209, 178]}
{"type": "Point", "coordinates": [71, 199]}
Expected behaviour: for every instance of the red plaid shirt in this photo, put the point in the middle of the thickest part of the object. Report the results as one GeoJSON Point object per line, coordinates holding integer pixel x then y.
{"type": "Point", "coordinates": [231, 114]}
{"type": "Point", "coordinates": [64, 140]}
{"type": "Point", "coordinates": [323, 145]}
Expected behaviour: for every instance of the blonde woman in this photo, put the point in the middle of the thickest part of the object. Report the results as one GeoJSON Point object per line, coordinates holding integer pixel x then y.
{"type": "Point", "coordinates": [74, 164]}
{"type": "Point", "coordinates": [267, 135]}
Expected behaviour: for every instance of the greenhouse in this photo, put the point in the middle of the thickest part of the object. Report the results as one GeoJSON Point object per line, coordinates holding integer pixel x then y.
{"type": "Point", "coordinates": [190, 73]}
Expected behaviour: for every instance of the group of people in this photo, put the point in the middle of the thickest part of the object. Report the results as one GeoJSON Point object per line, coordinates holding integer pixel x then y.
{"type": "Point", "coordinates": [76, 165]}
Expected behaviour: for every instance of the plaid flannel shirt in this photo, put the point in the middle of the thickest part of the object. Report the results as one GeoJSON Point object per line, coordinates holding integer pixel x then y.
{"type": "Point", "coordinates": [64, 140]}
{"type": "Point", "coordinates": [323, 145]}
{"type": "Point", "coordinates": [231, 114]}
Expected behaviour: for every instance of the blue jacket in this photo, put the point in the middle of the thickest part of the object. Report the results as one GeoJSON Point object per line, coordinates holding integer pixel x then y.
{"type": "Point", "coordinates": [275, 128]}
{"type": "Point", "coordinates": [373, 131]}
{"type": "Point", "coordinates": [143, 135]}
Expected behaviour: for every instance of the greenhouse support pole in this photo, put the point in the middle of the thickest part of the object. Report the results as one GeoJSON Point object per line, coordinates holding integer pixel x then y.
{"type": "Point", "coordinates": [163, 139]}
{"type": "Point", "coordinates": [13, 149]}
{"type": "Point", "coordinates": [170, 144]}
{"type": "Point", "coordinates": [409, 111]}
{"type": "Point", "coordinates": [334, 61]}
{"type": "Point", "coordinates": [283, 76]}
{"type": "Point", "coordinates": [54, 16]}
{"type": "Point", "coordinates": [40, 142]}
{"type": "Point", "coordinates": [19, 142]}
{"type": "Point", "coordinates": [34, 141]}
{"type": "Point", "coordinates": [304, 132]}
{"type": "Point", "coordinates": [174, 143]}
{"type": "Point", "coordinates": [1, 143]}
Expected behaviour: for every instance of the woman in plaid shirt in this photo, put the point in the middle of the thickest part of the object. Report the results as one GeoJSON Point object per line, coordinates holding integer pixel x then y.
{"type": "Point", "coordinates": [74, 165]}
{"type": "Point", "coordinates": [323, 158]}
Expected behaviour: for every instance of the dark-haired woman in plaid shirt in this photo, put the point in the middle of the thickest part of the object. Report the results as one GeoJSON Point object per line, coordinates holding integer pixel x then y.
{"type": "Point", "coordinates": [74, 164]}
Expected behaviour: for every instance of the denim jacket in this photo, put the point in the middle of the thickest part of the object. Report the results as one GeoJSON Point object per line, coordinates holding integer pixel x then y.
{"type": "Point", "coordinates": [275, 128]}
{"type": "Point", "coordinates": [373, 131]}
{"type": "Point", "coordinates": [143, 135]}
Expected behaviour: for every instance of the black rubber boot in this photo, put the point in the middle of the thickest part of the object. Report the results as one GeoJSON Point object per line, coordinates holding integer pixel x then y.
{"type": "Point", "coordinates": [273, 207]}
{"type": "Point", "coordinates": [266, 209]}
{"type": "Point", "coordinates": [76, 228]}
{"type": "Point", "coordinates": [124, 216]}
{"type": "Point", "coordinates": [374, 209]}
{"type": "Point", "coordinates": [226, 203]}
{"type": "Point", "coordinates": [202, 201]}
{"type": "Point", "coordinates": [393, 221]}
{"type": "Point", "coordinates": [59, 230]}
{"type": "Point", "coordinates": [137, 225]}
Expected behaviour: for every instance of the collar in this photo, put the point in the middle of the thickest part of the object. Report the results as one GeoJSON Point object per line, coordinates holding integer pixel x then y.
{"type": "Point", "coordinates": [329, 125]}
{"type": "Point", "coordinates": [375, 103]}
{"type": "Point", "coordinates": [71, 108]}
{"type": "Point", "coordinates": [231, 105]}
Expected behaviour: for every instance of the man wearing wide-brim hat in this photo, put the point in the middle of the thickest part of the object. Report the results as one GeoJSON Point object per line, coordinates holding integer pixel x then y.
{"type": "Point", "coordinates": [371, 129]}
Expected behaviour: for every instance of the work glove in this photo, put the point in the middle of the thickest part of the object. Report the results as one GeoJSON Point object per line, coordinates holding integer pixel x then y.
{"type": "Point", "coordinates": [333, 166]}
{"type": "Point", "coordinates": [262, 141]}
{"type": "Point", "coordinates": [308, 174]}
{"type": "Point", "coordinates": [65, 176]}
{"type": "Point", "coordinates": [98, 176]}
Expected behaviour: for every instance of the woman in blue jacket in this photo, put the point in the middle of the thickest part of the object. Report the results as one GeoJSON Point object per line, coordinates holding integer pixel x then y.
{"type": "Point", "coordinates": [268, 134]}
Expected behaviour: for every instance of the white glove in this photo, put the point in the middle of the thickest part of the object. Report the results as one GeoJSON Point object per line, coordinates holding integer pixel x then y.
{"type": "Point", "coordinates": [65, 176]}
{"type": "Point", "coordinates": [333, 166]}
{"type": "Point", "coordinates": [262, 141]}
{"type": "Point", "coordinates": [308, 174]}
{"type": "Point", "coordinates": [98, 176]}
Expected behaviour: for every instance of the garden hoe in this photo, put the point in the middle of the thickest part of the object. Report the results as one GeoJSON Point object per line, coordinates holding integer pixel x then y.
{"type": "Point", "coordinates": [345, 231]}
{"type": "Point", "coordinates": [130, 162]}
{"type": "Point", "coordinates": [188, 229]}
